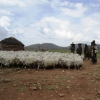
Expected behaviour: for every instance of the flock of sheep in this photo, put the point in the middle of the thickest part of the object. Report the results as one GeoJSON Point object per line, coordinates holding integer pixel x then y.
{"type": "Point", "coordinates": [45, 60]}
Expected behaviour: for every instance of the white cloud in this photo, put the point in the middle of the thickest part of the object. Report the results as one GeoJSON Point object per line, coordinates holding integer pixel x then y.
{"type": "Point", "coordinates": [52, 27]}
{"type": "Point", "coordinates": [90, 27]}
{"type": "Point", "coordinates": [76, 11]}
{"type": "Point", "coordinates": [22, 3]}
{"type": "Point", "coordinates": [95, 5]}
{"type": "Point", "coordinates": [2, 11]}
{"type": "Point", "coordinates": [78, 37]}
{"type": "Point", "coordinates": [17, 31]}
{"type": "Point", "coordinates": [89, 22]}
{"type": "Point", "coordinates": [13, 3]}
{"type": "Point", "coordinates": [5, 21]}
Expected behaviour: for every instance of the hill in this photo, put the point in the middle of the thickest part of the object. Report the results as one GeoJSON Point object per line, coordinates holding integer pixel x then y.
{"type": "Point", "coordinates": [51, 46]}
{"type": "Point", "coordinates": [47, 46]}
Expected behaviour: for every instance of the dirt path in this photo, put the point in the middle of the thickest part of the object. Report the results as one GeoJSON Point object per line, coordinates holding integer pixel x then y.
{"type": "Point", "coordinates": [26, 84]}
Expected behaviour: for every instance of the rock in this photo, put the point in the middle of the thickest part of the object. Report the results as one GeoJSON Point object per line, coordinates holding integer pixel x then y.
{"type": "Point", "coordinates": [55, 91]}
{"type": "Point", "coordinates": [44, 97]}
{"type": "Point", "coordinates": [98, 92]}
{"type": "Point", "coordinates": [51, 95]}
{"type": "Point", "coordinates": [33, 88]}
{"type": "Point", "coordinates": [1, 72]}
{"type": "Point", "coordinates": [97, 78]}
{"type": "Point", "coordinates": [61, 95]}
{"type": "Point", "coordinates": [63, 71]}
{"type": "Point", "coordinates": [14, 85]}
{"type": "Point", "coordinates": [6, 80]}
{"type": "Point", "coordinates": [68, 87]}
{"type": "Point", "coordinates": [41, 94]}
{"type": "Point", "coordinates": [40, 87]}
{"type": "Point", "coordinates": [18, 72]}
{"type": "Point", "coordinates": [68, 81]}
{"type": "Point", "coordinates": [2, 90]}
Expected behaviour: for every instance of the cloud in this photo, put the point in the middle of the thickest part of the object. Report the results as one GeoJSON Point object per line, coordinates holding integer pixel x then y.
{"type": "Point", "coordinates": [76, 11]}
{"type": "Point", "coordinates": [17, 31]}
{"type": "Point", "coordinates": [51, 27]}
{"type": "Point", "coordinates": [21, 3]}
{"type": "Point", "coordinates": [90, 22]}
{"type": "Point", "coordinates": [13, 3]}
{"type": "Point", "coordinates": [5, 21]}
{"type": "Point", "coordinates": [5, 12]}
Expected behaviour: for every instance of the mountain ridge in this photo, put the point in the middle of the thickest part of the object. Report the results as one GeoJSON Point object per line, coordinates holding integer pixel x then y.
{"type": "Point", "coordinates": [47, 46]}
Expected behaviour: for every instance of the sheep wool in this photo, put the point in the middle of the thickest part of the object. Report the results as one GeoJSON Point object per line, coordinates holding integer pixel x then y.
{"type": "Point", "coordinates": [39, 59]}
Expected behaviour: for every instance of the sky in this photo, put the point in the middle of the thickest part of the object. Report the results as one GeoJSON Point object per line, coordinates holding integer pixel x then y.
{"type": "Point", "coordinates": [50, 21]}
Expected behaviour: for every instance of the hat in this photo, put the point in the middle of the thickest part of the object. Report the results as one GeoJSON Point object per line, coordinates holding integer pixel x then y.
{"type": "Point", "coordinates": [72, 43]}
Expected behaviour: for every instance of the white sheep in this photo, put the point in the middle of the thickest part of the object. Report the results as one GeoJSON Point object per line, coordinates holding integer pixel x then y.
{"type": "Point", "coordinates": [40, 59]}
{"type": "Point", "coordinates": [78, 63]}
{"type": "Point", "coordinates": [47, 62]}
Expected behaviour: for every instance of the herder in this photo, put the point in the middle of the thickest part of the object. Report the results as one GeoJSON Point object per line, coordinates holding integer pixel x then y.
{"type": "Point", "coordinates": [79, 49]}
{"type": "Point", "coordinates": [94, 52]}
{"type": "Point", "coordinates": [72, 48]}
{"type": "Point", "coordinates": [87, 52]}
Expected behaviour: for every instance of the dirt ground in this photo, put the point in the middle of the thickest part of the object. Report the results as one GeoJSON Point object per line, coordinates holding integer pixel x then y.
{"type": "Point", "coordinates": [53, 84]}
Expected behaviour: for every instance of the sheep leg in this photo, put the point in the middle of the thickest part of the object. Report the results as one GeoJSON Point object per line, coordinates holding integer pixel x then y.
{"type": "Point", "coordinates": [44, 68]}
{"type": "Point", "coordinates": [38, 66]}
{"type": "Point", "coordinates": [69, 68]}
{"type": "Point", "coordinates": [0, 65]}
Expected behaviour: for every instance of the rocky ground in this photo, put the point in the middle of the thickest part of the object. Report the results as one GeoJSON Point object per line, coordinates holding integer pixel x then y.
{"type": "Point", "coordinates": [53, 84]}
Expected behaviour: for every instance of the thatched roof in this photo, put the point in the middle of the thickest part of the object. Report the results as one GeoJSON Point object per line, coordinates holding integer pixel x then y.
{"type": "Point", "coordinates": [11, 41]}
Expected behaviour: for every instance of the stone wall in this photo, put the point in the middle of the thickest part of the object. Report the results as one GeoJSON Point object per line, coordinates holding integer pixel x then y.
{"type": "Point", "coordinates": [12, 47]}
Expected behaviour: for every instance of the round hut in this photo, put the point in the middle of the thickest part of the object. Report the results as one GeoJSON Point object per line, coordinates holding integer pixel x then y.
{"type": "Point", "coordinates": [11, 44]}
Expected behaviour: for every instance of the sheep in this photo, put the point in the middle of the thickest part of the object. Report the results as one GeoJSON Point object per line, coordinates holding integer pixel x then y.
{"type": "Point", "coordinates": [7, 61]}
{"type": "Point", "coordinates": [72, 61]}
{"type": "Point", "coordinates": [78, 63]}
{"type": "Point", "coordinates": [47, 62]}
{"type": "Point", "coordinates": [40, 59]}
{"type": "Point", "coordinates": [29, 61]}
{"type": "Point", "coordinates": [67, 63]}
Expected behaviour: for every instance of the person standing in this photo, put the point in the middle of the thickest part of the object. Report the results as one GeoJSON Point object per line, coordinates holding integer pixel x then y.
{"type": "Point", "coordinates": [72, 48]}
{"type": "Point", "coordinates": [94, 52]}
{"type": "Point", "coordinates": [79, 49]}
{"type": "Point", "coordinates": [85, 51]}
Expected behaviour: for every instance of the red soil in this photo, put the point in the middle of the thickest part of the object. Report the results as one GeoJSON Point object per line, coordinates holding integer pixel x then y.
{"type": "Point", "coordinates": [53, 84]}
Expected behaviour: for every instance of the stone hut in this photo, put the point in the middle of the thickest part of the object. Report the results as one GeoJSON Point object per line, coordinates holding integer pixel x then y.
{"type": "Point", "coordinates": [11, 44]}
